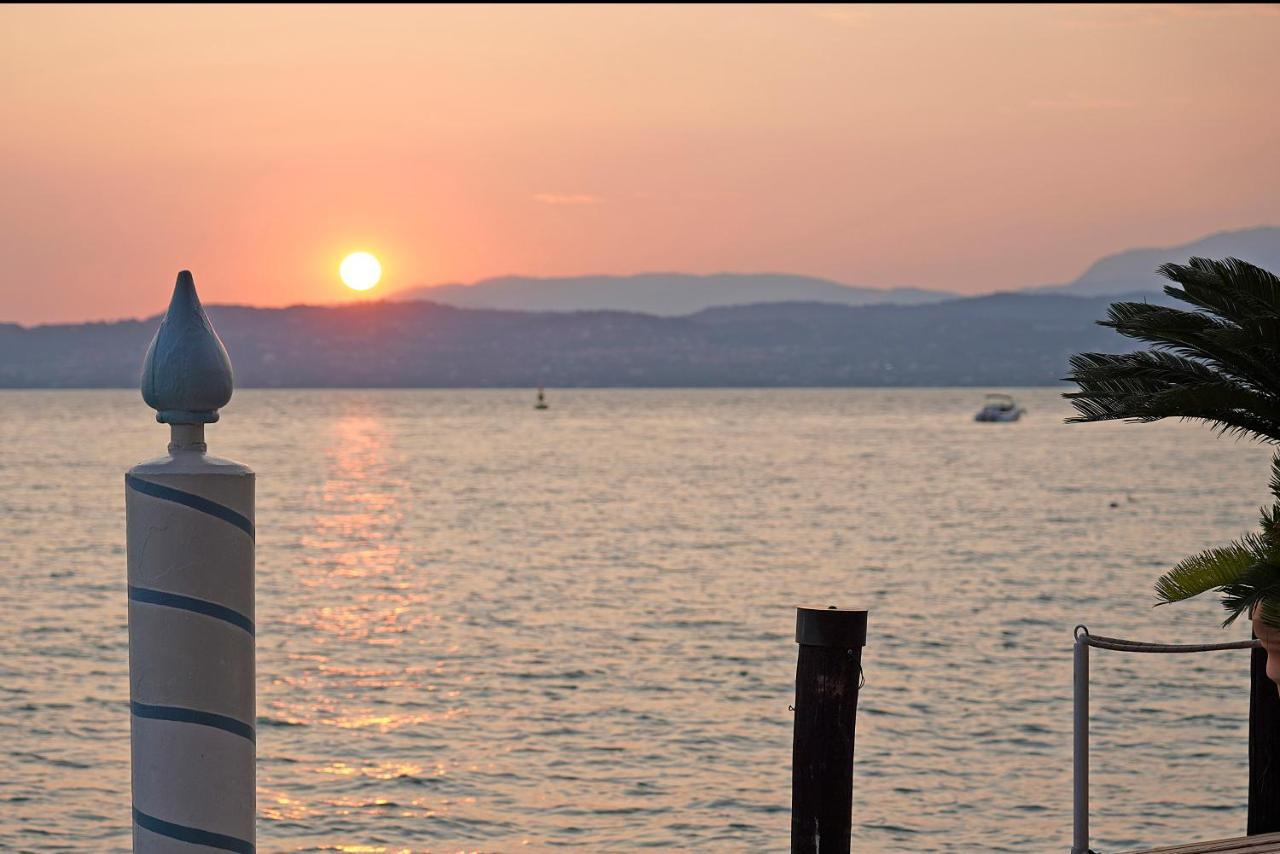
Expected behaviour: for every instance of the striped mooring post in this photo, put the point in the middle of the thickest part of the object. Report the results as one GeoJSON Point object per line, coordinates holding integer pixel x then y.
{"type": "Point", "coordinates": [189, 521]}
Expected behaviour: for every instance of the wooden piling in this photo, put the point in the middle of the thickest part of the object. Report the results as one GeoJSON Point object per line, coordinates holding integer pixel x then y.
{"type": "Point", "coordinates": [1264, 748]}
{"type": "Point", "coordinates": [828, 676]}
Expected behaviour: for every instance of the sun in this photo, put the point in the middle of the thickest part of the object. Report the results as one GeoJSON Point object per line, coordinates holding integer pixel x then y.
{"type": "Point", "coordinates": [360, 271]}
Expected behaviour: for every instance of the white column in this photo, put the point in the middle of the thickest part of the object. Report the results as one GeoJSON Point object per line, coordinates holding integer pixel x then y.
{"type": "Point", "coordinates": [191, 616]}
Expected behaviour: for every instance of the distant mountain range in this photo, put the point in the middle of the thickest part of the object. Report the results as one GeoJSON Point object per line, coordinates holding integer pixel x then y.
{"type": "Point", "coordinates": [1135, 270]}
{"type": "Point", "coordinates": [666, 294]}
{"type": "Point", "coordinates": [824, 339]}
{"type": "Point", "coordinates": [1000, 340]}
{"type": "Point", "coordinates": [676, 294]}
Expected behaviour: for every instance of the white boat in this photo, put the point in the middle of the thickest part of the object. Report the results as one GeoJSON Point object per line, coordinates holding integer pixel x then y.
{"type": "Point", "coordinates": [999, 407]}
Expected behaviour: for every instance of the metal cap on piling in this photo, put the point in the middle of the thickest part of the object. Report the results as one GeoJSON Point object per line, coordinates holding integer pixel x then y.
{"type": "Point", "coordinates": [186, 375]}
{"type": "Point", "coordinates": [831, 627]}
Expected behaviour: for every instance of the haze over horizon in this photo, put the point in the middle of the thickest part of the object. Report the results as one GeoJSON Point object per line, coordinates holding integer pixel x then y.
{"type": "Point", "coordinates": [966, 149]}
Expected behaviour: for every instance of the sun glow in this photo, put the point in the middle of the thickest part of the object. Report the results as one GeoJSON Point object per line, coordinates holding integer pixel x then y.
{"type": "Point", "coordinates": [360, 271]}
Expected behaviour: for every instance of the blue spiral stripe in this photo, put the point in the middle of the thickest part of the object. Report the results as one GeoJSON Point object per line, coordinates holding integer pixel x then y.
{"type": "Point", "coordinates": [187, 499]}
{"type": "Point", "coordinates": [184, 715]}
{"type": "Point", "coordinates": [194, 835]}
{"type": "Point", "coordinates": [190, 603]}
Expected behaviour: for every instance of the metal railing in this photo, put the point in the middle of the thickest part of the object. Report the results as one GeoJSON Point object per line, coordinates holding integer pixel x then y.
{"type": "Point", "coordinates": [1080, 735]}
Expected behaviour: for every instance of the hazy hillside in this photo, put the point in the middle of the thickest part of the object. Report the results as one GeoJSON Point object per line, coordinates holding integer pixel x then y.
{"type": "Point", "coordinates": [1135, 270]}
{"type": "Point", "coordinates": [667, 294]}
{"type": "Point", "coordinates": [677, 294]}
{"type": "Point", "coordinates": [1005, 339]}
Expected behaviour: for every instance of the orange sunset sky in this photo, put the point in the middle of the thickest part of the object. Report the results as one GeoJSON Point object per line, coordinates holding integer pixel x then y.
{"type": "Point", "coordinates": [960, 148]}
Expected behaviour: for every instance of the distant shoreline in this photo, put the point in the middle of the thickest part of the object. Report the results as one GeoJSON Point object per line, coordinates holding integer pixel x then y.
{"type": "Point", "coordinates": [1013, 339]}
{"type": "Point", "coordinates": [554, 388]}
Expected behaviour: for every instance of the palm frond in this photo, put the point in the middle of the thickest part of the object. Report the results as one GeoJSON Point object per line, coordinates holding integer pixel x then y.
{"type": "Point", "coordinates": [1232, 289]}
{"type": "Point", "coordinates": [1258, 586]}
{"type": "Point", "coordinates": [1213, 569]}
{"type": "Point", "coordinates": [1152, 385]}
{"type": "Point", "coordinates": [1240, 352]}
{"type": "Point", "coordinates": [1271, 526]}
{"type": "Point", "coordinates": [1218, 364]}
{"type": "Point", "coordinates": [1274, 484]}
{"type": "Point", "coordinates": [1159, 367]}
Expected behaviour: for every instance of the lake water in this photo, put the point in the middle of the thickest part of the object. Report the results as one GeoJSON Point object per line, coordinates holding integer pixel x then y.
{"type": "Point", "coordinates": [482, 627]}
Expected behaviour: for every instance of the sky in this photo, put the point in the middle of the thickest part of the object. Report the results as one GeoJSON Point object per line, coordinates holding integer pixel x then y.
{"type": "Point", "coordinates": [960, 148]}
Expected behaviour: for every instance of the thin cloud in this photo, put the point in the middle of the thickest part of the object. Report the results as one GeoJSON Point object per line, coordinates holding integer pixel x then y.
{"type": "Point", "coordinates": [1081, 103]}
{"type": "Point", "coordinates": [566, 199]}
{"type": "Point", "coordinates": [1224, 10]}
{"type": "Point", "coordinates": [842, 15]}
{"type": "Point", "coordinates": [1114, 19]}
{"type": "Point", "coordinates": [1110, 18]}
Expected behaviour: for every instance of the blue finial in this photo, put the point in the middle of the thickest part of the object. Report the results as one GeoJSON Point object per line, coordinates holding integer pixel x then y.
{"type": "Point", "coordinates": [186, 376]}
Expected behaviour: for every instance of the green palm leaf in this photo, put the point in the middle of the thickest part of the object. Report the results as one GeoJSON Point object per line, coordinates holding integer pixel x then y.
{"type": "Point", "coordinates": [1213, 569]}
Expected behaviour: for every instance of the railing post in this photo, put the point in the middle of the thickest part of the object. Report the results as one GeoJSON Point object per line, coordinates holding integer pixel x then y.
{"type": "Point", "coordinates": [189, 521]}
{"type": "Point", "coordinates": [1264, 748]}
{"type": "Point", "coordinates": [1080, 744]}
{"type": "Point", "coordinates": [828, 676]}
